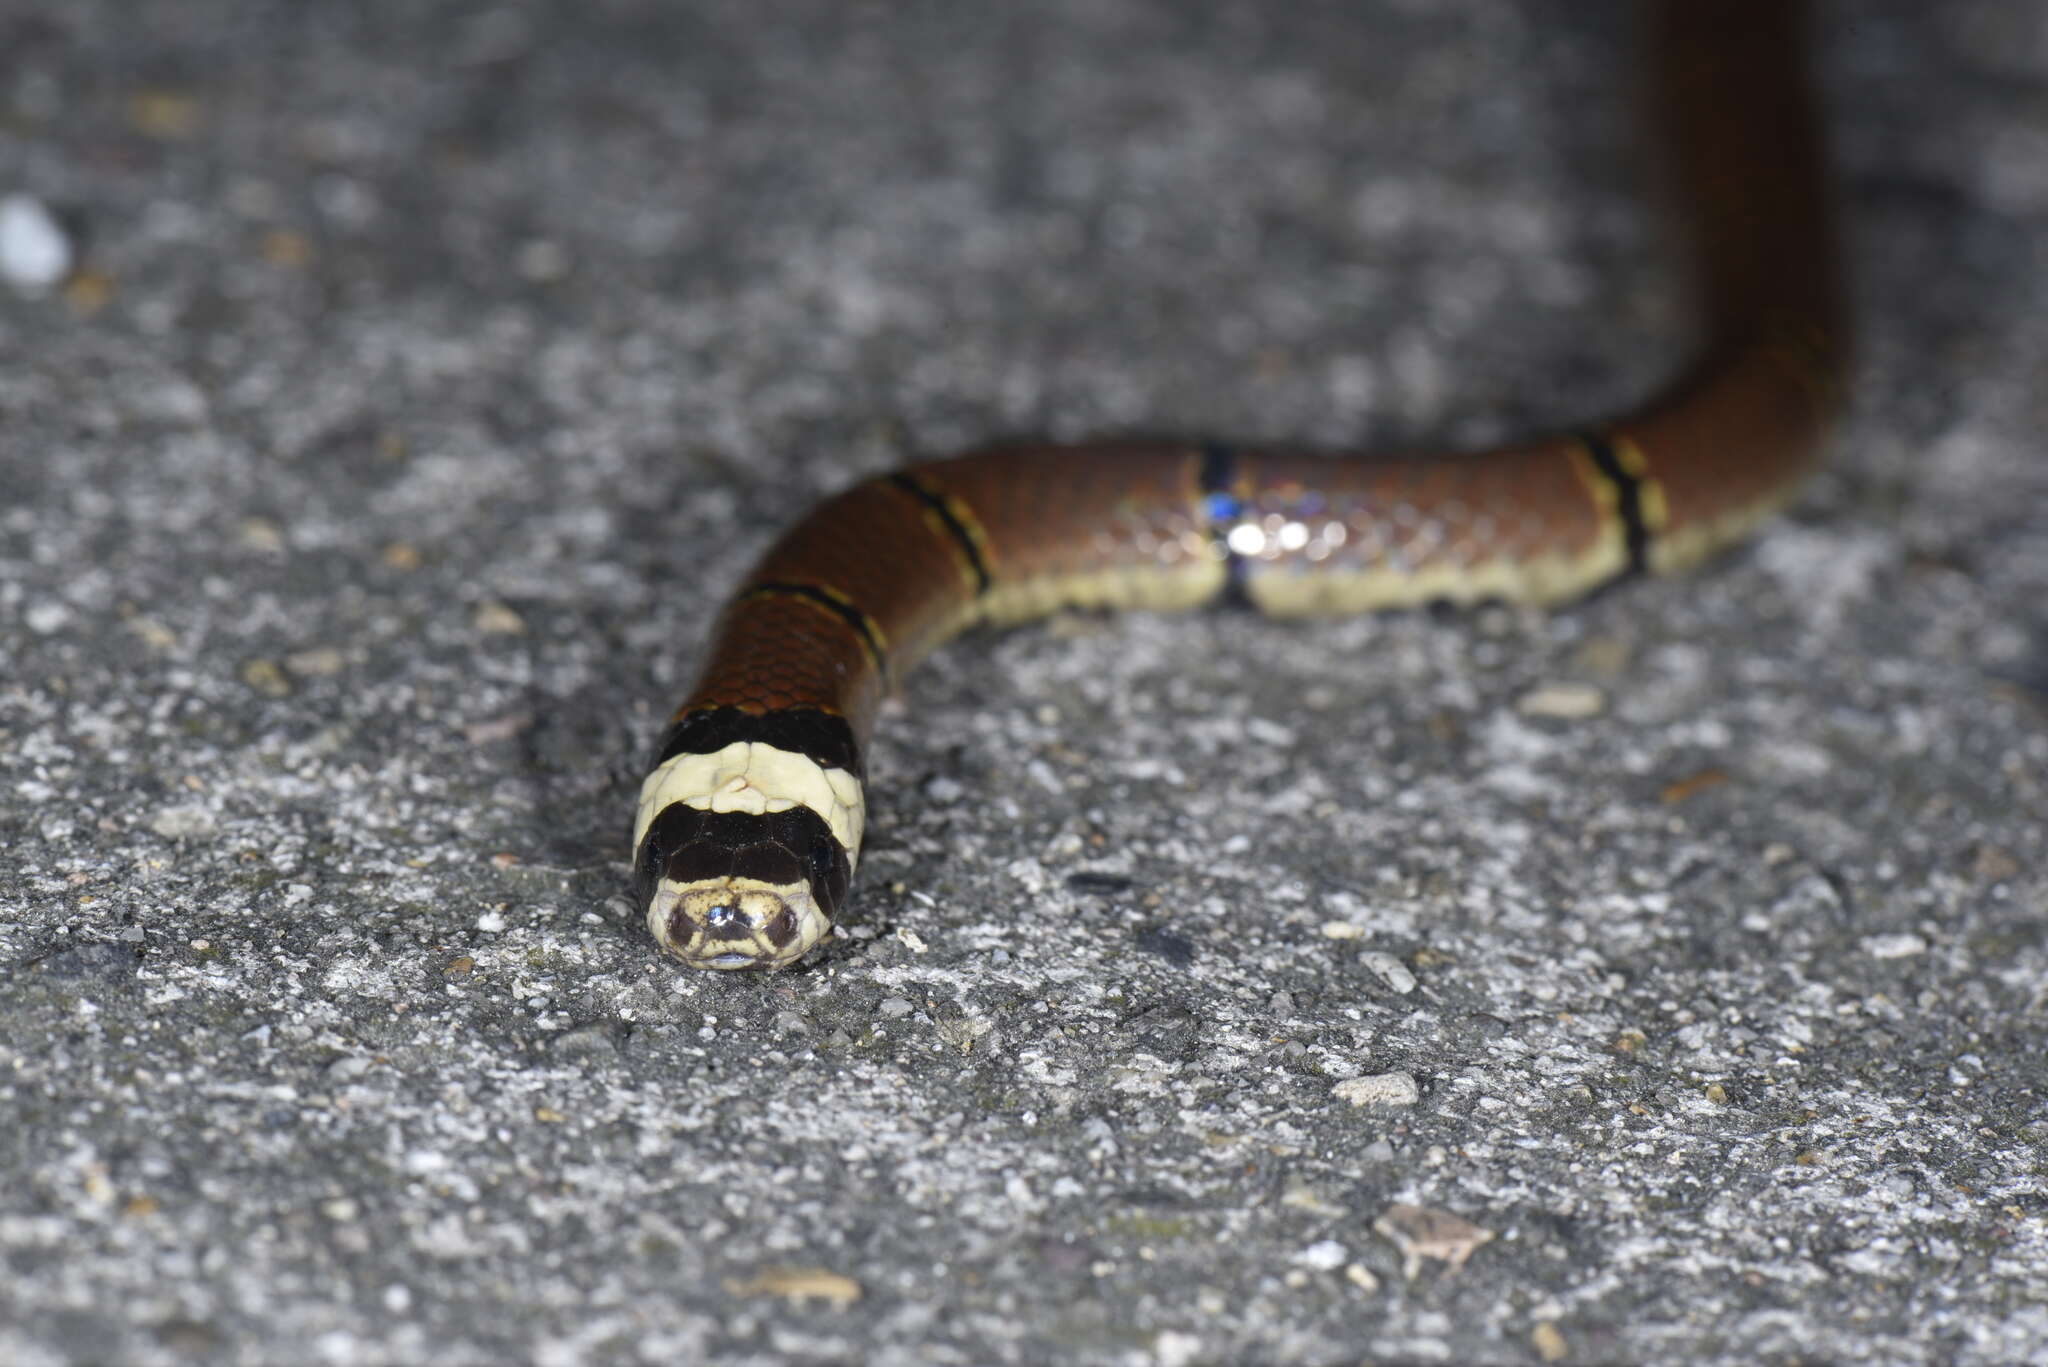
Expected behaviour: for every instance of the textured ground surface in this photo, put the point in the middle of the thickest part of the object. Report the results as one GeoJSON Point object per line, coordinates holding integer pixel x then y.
{"type": "Point", "coordinates": [435, 367]}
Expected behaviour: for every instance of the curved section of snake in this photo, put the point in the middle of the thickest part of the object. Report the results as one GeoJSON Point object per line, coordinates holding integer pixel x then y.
{"type": "Point", "coordinates": [749, 827]}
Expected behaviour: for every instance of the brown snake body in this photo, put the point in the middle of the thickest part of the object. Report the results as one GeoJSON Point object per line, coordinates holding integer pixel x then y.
{"type": "Point", "coordinates": [749, 827]}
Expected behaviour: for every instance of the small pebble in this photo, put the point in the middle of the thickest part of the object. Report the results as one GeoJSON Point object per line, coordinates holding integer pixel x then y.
{"type": "Point", "coordinates": [1327, 1256]}
{"type": "Point", "coordinates": [46, 618]}
{"type": "Point", "coordinates": [1390, 971]}
{"type": "Point", "coordinates": [266, 677]}
{"type": "Point", "coordinates": [1268, 732]}
{"type": "Point", "coordinates": [897, 1006]}
{"type": "Point", "coordinates": [1569, 701]}
{"type": "Point", "coordinates": [35, 252]}
{"type": "Point", "coordinates": [541, 261]}
{"type": "Point", "coordinates": [316, 662]}
{"type": "Point", "coordinates": [493, 618]}
{"type": "Point", "coordinates": [183, 823]}
{"type": "Point", "coordinates": [1901, 946]}
{"type": "Point", "coordinates": [1380, 1089]}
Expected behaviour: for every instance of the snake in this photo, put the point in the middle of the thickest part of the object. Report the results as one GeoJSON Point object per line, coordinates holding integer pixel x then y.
{"type": "Point", "coordinates": [748, 828]}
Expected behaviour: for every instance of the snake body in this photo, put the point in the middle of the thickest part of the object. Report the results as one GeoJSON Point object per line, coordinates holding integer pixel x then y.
{"type": "Point", "coordinates": [749, 827]}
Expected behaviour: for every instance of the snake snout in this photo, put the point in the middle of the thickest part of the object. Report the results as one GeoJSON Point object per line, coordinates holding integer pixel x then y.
{"type": "Point", "coordinates": [735, 923]}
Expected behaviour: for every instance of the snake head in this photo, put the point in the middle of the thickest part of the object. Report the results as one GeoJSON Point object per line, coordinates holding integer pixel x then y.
{"type": "Point", "coordinates": [736, 922]}
{"type": "Point", "coordinates": [734, 871]}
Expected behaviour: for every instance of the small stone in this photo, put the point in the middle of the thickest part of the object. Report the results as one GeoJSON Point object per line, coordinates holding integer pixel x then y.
{"type": "Point", "coordinates": [1390, 971]}
{"type": "Point", "coordinates": [493, 618]}
{"type": "Point", "coordinates": [88, 291]}
{"type": "Point", "coordinates": [541, 261]}
{"type": "Point", "coordinates": [1566, 701]}
{"type": "Point", "coordinates": [1326, 1256]}
{"type": "Point", "coordinates": [585, 1042]}
{"type": "Point", "coordinates": [261, 535]}
{"type": "Point", "coordinates": [1361, 1276]}
{"type": "Point", "coordinates": [266, 678]}
{"type": "Point", "coordinates": [1990, 864]}
{"type": "Point", "coordinates": [1900, 946]}
{"type": "Point", "coordinates": [35, 252]}
{"type": "Point", "coordinates": [1548, 1342]}
{"type": "Point", "coordinates": [1380, 1089]}
{"type": "Point", "coordinates": [183, 823]}
{"type": "Point", "coordinates": [166, 114]}
{"type": "Point", "coordinates": [283, 247]}
{"type": "Point", "coordinates": [317, 662]}
{"type": "Point", "coordinates": [491, 730]}
{"type": "Point", "coordinates": [1269, 732]}
{"type": "Point", "coordinates": [1302, 1196]}
{"type": "Point", "coordinates": [152, 633]}
{"type": "Point", "coordinates": [897, 1006]}
{"type": "Point", "coordinates": [45, 619]}
{"type": "Point", "coordinates": [1604, 656]}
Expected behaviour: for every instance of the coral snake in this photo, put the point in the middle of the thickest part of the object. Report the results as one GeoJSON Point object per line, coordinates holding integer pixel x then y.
{"type": "Point", "coordinates": [749, 826]}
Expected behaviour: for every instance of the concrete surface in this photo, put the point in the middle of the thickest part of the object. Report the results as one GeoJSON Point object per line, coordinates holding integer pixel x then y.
{"type": "Point", "coordinates": [431, 370]}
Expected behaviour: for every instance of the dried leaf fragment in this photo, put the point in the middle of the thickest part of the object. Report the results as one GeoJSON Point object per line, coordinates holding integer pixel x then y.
{"type": "Point", "coordinates": [798, 1284]}
{"type": "Point", "coordinates": [1420, 1232]}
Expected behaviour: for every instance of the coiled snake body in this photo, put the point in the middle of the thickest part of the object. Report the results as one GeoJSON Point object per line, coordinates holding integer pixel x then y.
{"type": "Point", "coordinates": [749, 826]}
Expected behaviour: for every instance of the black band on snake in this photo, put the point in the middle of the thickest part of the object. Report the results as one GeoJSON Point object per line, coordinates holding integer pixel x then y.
{"type": "Point", "coordinates": [749, 827]}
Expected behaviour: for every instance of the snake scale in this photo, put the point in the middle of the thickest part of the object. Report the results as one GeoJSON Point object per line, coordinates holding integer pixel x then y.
{"type": "Point", "coordinates": [749, 827]}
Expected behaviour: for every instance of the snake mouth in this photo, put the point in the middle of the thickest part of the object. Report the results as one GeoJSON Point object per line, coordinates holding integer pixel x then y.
{"type": "Point", "coordinates": [733, 923]}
